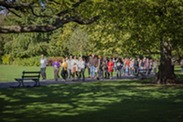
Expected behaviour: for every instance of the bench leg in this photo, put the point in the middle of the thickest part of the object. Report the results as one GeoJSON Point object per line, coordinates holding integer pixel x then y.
{"type": "Point", "coordinates": [37, 83]}
{"type": "Point", "coordinates": [19, 83]}
{"type": "Point", "coordinates": [22, 83]}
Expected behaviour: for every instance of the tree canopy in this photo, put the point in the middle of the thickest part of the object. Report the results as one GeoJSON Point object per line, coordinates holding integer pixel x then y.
{"type": "Point", "coordinates": [52, 14]}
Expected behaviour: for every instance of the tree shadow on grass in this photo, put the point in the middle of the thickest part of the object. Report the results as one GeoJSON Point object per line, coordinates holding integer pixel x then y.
{"type": "Point", "coordinates": [89, 102]}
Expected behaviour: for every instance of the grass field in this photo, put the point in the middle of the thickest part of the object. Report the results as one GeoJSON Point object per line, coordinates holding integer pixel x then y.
{"type": "Point", "coordinates": [9, 72]}
{"type": "Point", "coordinates": [101, 101]}
{"type": "Point", "coordinates": [107, 101]}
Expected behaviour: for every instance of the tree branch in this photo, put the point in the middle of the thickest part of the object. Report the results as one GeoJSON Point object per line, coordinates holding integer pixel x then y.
{"type": "Point", "coordinates": [73, 7]}
{"type": "Point", "coordinates": [61, 18]}
{"type": "Point", "coordinates": [46, 28]}
{"type": "Point", "coordinates": [16, 6]}
{"type": "Point", "coordinates": [14, 12]}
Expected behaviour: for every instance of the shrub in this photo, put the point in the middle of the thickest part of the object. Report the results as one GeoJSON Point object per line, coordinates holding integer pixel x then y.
{"type": "Point", "coordinates": [7, 59]}
{"type": "Point", "coordinates": [33, 61]}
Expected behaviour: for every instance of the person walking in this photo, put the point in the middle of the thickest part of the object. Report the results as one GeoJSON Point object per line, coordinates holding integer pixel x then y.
{"type": "Point", "coordinates": [110, 68]}
{"type": "Point", "coordinates": [105, 67]}
{"type": "Point", "coordinates": [81, 68]}
{"type": "Point", "coordinates": [93, 64]}
{"type": "Point", "coordinates": [69, 66]}
{"type": "Point", "coordinates": [119, 65]}
{"type": "Point", "coordinates": [155, 66]}
{"type": "Point", "coordinates": [43, 63]}
{"type": "Point", "coordinates": [74, 65]}
{"type": "Point", "coordinates": [56, 66]}
{"type": "Point", "coordinates": [64, 72]}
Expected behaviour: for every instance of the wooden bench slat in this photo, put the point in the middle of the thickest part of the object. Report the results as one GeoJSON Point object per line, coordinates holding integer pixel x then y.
{"type": "Point", "coordinates": [30, 72]}
{"type": "Point", "coordinates": [29, 75]}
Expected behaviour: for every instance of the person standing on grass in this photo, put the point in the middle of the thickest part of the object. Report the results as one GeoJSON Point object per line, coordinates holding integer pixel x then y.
{"type": "Point", "coordinates": [136, 66]}
{"type": "Point", "coordinates": [74, 65]}
{"type": "Point", "coordinates": [155, 67]}
{"type": "Point", "coordinates": [56, 66]}
{"type": "Point", "coordinates": [127, 66]}
{"type": "Point", "coordinates": [105, 67]}
{"type": "Point", "coordinates": [88, 66]}
{"type": "Point", "coordinates": [43, 63]}
{"type": "Point", "coordinates": [119, 65]}
{"type": "Point", "coordinates": [110, 68]}
{"type": "Point", "coordinates": [131, 67]}
{"type": "Point", "coordinates": [69, 66]}
{"type": "Point", "coordinates": [81, 68]}
{"type": "Point", "coordinates": [64, 72]}
{"type": "Point", "coordinates": [181, 64]}
{"type": "Point", "coordinates": [100, 69]}
{"type": "Point", "coordinates": [93, 64]}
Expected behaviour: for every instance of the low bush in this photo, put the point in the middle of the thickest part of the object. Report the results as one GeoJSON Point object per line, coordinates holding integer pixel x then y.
{"type": "Point", "coordinates": [33, 61]}
{"type": "Point", "coordinates": [7, 59]}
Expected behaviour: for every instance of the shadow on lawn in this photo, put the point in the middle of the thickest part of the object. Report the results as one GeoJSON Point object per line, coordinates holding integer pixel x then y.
{"type": "Point", "coordinates": [93, 102]}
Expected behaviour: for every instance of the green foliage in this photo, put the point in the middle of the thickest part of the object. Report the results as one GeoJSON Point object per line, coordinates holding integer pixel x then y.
{"type": "Point", "coordinates": [27, 45]}
{"type": "Point", "coordinates": [7, 59]}
{"type": "Point", "coordinates": [78, 42]}
{"type": "Point", "coordinates": [32, 61]}
{"type": "Point", "coordinates": [125, 28]}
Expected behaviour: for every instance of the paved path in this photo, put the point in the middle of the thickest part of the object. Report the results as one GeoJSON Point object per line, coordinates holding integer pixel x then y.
{"type": "Point", "coordinates": [61, 81]}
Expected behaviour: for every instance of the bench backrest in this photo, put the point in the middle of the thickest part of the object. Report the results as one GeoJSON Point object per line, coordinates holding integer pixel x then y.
{"type": "Point", "coordinates": [31, 74]}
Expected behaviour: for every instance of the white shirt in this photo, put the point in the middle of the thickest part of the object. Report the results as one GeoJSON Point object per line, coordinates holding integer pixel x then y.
{"type": "Point", "coordinates": [69, 65]}
{"type": "Point", "coordinates": [81, 64]}
{"type": "Point", "coordinates": [43, 62]}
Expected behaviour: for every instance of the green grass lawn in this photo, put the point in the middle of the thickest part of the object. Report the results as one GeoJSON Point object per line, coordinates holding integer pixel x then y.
{"type": "Point", "coordinates": [9, 72]}
{"type": "Point", "coordinates": [102, 101]}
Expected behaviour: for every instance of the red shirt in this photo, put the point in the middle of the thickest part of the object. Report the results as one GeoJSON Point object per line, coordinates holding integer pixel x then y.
{"type": "Point", "coordinates": [110, 66]}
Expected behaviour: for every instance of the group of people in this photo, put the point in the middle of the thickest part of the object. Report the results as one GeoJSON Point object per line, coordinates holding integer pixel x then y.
{"type": "Point", "coordinates": [98, 67]}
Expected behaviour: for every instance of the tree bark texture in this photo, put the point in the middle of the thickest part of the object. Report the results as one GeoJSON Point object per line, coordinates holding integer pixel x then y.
{"type": "Point", "coordinates": [166, 69]}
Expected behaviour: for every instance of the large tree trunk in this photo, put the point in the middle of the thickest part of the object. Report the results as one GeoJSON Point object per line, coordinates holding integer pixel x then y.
{"type": "Point", "coordinates": [166, 69]}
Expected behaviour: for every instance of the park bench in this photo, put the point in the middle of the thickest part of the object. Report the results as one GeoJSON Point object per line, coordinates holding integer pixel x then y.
{"type": "Point", "coordinates": [29, 76]}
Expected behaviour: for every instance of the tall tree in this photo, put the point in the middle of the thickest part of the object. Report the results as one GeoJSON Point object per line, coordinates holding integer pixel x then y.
{"type": "Point", "coordinates": [157, 22]}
